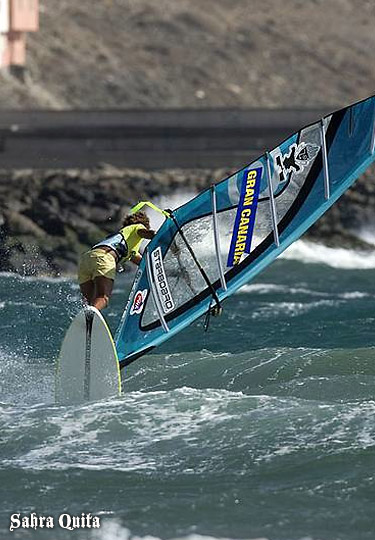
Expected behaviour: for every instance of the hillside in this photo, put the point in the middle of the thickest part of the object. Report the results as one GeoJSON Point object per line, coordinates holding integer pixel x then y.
{"type": "Point", "coordinates": [141, 53]}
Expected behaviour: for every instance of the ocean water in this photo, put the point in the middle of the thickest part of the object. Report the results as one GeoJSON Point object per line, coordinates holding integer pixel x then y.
{"type": "Point", "coordinates": [263, 427]}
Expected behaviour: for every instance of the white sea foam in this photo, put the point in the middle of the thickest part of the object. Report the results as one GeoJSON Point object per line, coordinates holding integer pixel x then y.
{"type": "Point", "coordinates": [367, 235]}
{"type": "Point", "coordinates": [28, 304]}
{"type": "Point", "coordinates": [113, 530]}
{"type": "Point", "coordinates": [291, 309]}
{"type": "Point", "coordinates": [271, 288]}
{"type": "Point", "coordinates": [39, 278]}
{"type": "Point", "coordinates": [310, 252]}
{"type": "Point", "coordinates": [263, 288]}
{"type": "Point", "coordinates": [173, 201]}
{"type": "Point", "coordinates": [266, 288]}
{"type": "Point", "coordinates": [147, 419]}
{"type": "Point", "coordinates": [354, 295]}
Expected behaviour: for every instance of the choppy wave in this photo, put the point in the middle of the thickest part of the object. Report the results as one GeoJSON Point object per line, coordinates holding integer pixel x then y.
{"type": "Point", "coordinates": [367, 235]}
{"type": "Point", "coordinates": [272, 288]}
{"type": "Point", "coordinates": [312, 253]}
{"type": "Point", "coordinates": [113, 530]}
{"type": "Point", "coordinates": [261, 427]}
{"type": "Point", "coordinates": [180, 430]}
{"type": "Point", "coordinates": [37, 279]}
{"type": "Point", "coordinates": [272, 403]}
{"type": "Point", "coordinates": [267, 288]}
{"type": "Point", "coordinates": [290, 309]}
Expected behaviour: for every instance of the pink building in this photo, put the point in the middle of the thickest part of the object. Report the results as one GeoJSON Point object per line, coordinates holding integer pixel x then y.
{"type": "Point", "coordinates": [17, 17]}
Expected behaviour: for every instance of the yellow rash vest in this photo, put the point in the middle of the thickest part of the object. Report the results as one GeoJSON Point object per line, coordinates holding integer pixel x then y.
{"type": "Point", "coordinates": [125, 243]}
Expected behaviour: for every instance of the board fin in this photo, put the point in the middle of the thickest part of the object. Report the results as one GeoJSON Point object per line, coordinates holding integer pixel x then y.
{"type": "Point", "coordinates": [89, 317]}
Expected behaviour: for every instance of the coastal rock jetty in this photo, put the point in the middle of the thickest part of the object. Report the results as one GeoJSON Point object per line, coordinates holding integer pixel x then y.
{"type": "Point", "coordinates": [47, 218]}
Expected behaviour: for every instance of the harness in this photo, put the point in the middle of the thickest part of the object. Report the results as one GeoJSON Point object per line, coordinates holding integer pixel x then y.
{"type": "Point", "coordinates": [124, 243]}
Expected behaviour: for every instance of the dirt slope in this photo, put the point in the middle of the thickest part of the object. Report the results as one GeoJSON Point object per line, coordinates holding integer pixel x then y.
{"type": "Point", "coordinates": [142, 53]}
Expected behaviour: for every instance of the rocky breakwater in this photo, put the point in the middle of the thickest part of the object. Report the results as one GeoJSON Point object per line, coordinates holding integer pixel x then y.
{"type": "Point", "coordinates": [48, 218]}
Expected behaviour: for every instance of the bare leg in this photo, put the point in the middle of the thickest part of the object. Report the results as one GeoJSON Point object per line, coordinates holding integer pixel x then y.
{"type": "Point", "coordinates": [88, 290]}
{"type": "Point", "coordinates": [103, 291]}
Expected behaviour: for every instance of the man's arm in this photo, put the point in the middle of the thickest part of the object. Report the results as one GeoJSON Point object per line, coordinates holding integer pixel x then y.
{"type": "Point", "coordinates": [146, 233]}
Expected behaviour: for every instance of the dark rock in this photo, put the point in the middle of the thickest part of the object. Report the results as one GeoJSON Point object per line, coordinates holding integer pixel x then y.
{"type": "Point", "coordinates": [87, 233]}
{"type": "Point", "coordinates": [18, 224]}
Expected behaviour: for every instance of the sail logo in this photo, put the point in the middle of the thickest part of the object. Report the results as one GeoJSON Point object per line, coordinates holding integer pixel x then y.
{"type": "Point", "coordinates": [161, 283]}
{"type": "Point", "coordinates": [296, 160]}
{"type": "Point", "coordinates": [245, 217]}
{"type": "Point", "coordinates": [138, 302]}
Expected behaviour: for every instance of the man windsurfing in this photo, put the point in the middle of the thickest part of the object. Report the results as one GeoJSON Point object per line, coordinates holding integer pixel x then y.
{"type": "Point", "coordinates": [97, 267]}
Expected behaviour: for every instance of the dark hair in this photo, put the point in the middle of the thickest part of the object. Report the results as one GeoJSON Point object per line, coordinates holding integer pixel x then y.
{"type": "Point", "coordinates": [138, 217]}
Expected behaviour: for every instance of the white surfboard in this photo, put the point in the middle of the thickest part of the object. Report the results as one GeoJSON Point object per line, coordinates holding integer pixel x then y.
{"type": "Point", "coordinates": [88, 368]}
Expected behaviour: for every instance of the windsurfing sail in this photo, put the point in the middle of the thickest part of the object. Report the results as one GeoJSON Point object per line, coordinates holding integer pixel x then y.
{"type": "Point", "coordinates": [218, 241]}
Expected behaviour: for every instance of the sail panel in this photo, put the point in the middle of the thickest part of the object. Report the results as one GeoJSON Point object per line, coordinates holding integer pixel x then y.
{"type": "Point", "coordinates": [299, 170]}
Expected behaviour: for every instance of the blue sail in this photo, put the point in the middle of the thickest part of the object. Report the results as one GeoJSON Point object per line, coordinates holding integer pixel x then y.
{"type": "Point", "coordinates": [227, 234]}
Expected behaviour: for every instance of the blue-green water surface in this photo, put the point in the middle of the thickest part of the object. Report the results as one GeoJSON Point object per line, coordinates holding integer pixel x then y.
{"type": "Point", "coordinates": [263, 427]}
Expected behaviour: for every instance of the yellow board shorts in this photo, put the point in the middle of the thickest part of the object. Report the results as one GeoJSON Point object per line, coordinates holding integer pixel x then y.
{"type": "Point", "coordinates": [96, 263]}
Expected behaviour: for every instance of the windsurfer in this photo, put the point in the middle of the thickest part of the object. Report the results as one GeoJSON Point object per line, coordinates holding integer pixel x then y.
{"type": "Point", "coordinates": [97, 267]}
